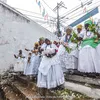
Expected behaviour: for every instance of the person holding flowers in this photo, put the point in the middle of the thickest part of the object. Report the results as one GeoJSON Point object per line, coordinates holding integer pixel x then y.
{"type": "Point", "coordinates": [88, 60]}
{"type": "Point", "coordinates": [50, 73]}
{"type": "Point", "coordinates": [68, 53]}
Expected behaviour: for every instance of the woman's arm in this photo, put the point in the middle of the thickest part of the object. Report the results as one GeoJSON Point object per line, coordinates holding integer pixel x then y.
{"type": "Point", "coordinates": [27, 49]}
{"type": "Point", "coordinates": [15, 56]}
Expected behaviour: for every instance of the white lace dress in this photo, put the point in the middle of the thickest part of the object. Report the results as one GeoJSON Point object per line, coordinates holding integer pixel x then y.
{"type": "Point", "coordinates": [68, 60]}
{"type": "Point", "coordinates": [88, 57]}
{"type": "Point", "coordinates": [19, 65]}
{"type": "Point", "coordinates": [50, 73]}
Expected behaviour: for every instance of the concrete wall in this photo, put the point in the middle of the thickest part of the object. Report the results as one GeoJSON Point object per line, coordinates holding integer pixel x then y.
{"type": "Point", "coordinates": [17, 33]}
{"type": "Point", "coordinates": [5, 1]}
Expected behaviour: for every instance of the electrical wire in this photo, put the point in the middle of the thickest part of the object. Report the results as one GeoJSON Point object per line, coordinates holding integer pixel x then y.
{"type": "Point", "coordinates": [30, 12]}
{"type": "Point", "coordinates": [48, 6]}
{"type": "Point", "coordinates": [72, 10]}
{"type": "Point", "coordinates": [76, 8]}
{"type": "Point", "coordinates": [42, 19]}
{"type": "Point", "coordinates": [82, 12]}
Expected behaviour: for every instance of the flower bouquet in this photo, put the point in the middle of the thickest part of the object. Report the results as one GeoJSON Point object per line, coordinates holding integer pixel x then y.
{"type": "Point", "coordinates": [49, 52]}
{"type": "Point", "coordinates": [68, 49]}
{"type": "Point", "coordinates": [94, 29]}
{"type": "Point", "coordinates": [74, 37]}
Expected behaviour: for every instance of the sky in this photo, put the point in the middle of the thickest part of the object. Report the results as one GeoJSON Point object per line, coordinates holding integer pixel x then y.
{"type": "Point", "coordinates": [32, 6]}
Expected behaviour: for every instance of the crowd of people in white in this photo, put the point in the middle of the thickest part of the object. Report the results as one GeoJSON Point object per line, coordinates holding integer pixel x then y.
{"type": "Point", "coordinates": [77, 53]}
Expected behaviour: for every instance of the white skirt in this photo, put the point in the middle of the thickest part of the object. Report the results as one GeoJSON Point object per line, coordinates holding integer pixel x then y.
{"type": "Point", "coordinates": [19, 66]}
{"type": "Point", "coordinates": [54, 76]}
{"type": "Point", "coordinates": [88, 60]}
{"type": "Point", "coordinates": [68, 61]}
{"type": "Point", "coordinates": [98, 58]}
{"type": "Point", "coordinates": [32, 67]}
{"type": "Point", "coordinates": [36, 62]}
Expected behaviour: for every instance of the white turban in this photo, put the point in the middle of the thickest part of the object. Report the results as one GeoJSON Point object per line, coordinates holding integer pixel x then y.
{"type": "Point", "coordinates": [68, 27]}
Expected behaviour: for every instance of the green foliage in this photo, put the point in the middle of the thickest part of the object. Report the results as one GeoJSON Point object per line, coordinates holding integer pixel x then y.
{"type": "Point", "coordinates": [68, 49]}
{"type": "Point", "coordinates": [68, 94]}
{"type": "Point", "coordinates": [74, 38]}
{"type": "Point", "coordinates": [92, 28]}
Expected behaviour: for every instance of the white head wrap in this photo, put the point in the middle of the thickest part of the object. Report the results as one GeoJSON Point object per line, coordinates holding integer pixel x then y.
{"type": "Point", "coordinates": [68, 27]}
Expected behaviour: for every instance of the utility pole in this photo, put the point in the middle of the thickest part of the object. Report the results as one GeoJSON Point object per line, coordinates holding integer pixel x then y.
{"type": "Point", "coordinates": [58, 22]}
{"type": "Point", "coordinates": [59, 5]}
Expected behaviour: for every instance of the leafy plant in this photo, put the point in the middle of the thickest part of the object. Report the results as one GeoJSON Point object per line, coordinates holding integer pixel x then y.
{"type": "Point", "coordinates": [74, 38]}
{"type": "Point", "coordinates": [92, 28]}
{"type": "Point", "coordinates": [68, 49]}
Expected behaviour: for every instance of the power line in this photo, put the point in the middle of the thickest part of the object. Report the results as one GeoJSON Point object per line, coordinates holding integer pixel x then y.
{"type": "Point", "coordinates": [47, 5]}
{"type": "Point", "coordinates": [76, 8]}
{"type": "Point", "coordinates": [81, 14]}
{"type": "Point", "coordinates": [34, 16]}
{"type": "Point", "coordinates": [39, 18]}
{"type": "Point", "coordinates": [81, 10]}
{"type": "Point", "coordinates": [30, 11]}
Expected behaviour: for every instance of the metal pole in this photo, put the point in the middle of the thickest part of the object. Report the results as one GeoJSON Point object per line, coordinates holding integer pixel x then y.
{"type": "Point", "coordinates": [58, 22]}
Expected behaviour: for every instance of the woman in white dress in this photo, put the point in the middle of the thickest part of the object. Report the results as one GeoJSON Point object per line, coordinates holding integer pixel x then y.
{"type": "Point", "coordinates": [19, 66]}
{"type": "Point", "coordinates": [98, 47]}
{"type": "Point", "coordinates": [69, 60]}
{"type": "Point", "coordinates": [50, 73]}
{"type": "Point", "coordinates": [88, 57]}
{"type": "Point", "coordinates": [32, 67]}
{"type": "Point", "coordinates": [28, 70]}
{"type": "Point", "coordinates": [36, 59]}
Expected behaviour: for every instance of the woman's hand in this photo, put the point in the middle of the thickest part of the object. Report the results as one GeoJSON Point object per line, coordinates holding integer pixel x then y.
{"type": "Point", "coordinates": [15, 56]}
{"type": "Point", "coordinates": [27, 49]}
{"type": "Point", "coordinates": [65, 44]}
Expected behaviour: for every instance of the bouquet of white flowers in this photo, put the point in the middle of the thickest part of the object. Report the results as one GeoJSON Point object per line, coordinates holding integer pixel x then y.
{"type": "Point", "coordinates": [49, 52]}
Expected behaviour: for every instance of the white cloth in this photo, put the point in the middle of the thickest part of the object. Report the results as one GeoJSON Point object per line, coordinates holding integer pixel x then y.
{"type": "Point", "coordinates": [53, 79]}
{"type": "Point", "coordinates": [86, 35]}
{"type": "Point", "coordinates": [47, 62]}
{"type": "Point", "coordinates": [43, 46]}
{"type": "Point", "coordinates": [50, 73]}
{"type": "Point", "coordinates": [19, 65]}
{"type": "Point", "coordinates": [87, 60]}
{"type": "Point", "coordinates": [28, 69]}
{"type": "Point", "coordinates": [98, 59]}
{"type": "Point", "coordinates": [69, 61]}
{"type": "Point", "coordinates": [36, 62]}
{"type": "Point", "coordinates": [32, 67]}
{"type": "Point", "coordinates": [88, 57]}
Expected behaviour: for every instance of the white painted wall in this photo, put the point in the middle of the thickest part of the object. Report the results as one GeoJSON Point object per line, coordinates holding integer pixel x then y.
{"type": "Point", "coordinates": [5, 1]}
{"type": "Point", "coordinates": [16, 33]}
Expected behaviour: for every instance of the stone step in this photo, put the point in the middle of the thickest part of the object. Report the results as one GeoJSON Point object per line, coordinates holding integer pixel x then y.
{"type": "Point", "coordinates": [25, 81]}
{"type": "Point", "coordinates": [10, 94]}
{"type": "Point", "coordinates": [82, 79]}
{"type": "Point", "coordinates": [32, 85]}
{"type": "Point", "coordinates": [51, 93]}
{"type": "Point", "coordinates": [78, 87]}
{"type": "Point", "coordinates": [26, 92]}
{"type": "Point", "coordinates": [86, 90]}
{"type": "Point", "coordinates": [2, 94]}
